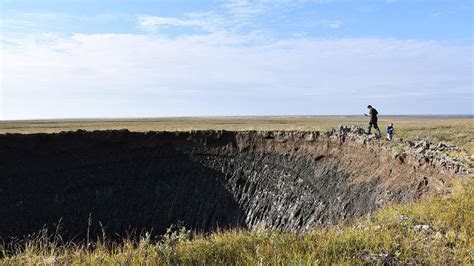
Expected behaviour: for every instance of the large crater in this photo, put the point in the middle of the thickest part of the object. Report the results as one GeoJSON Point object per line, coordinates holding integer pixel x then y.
{"type": "Point", "coordinates": [204, 179]}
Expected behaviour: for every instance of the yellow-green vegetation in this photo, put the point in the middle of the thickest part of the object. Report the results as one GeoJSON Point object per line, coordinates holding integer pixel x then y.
{"type": "Point", "coordinates": [436, 231]}
{"type": "Point", "coordinates": [455, 130]}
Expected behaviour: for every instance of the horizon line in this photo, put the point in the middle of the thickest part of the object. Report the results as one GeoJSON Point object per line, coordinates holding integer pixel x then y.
{"type": "Point", "coordinates": [233, 117]}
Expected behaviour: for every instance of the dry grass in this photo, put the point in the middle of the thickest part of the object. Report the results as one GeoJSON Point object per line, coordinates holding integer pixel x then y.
{"type": "Point", "coordinates": [434, 231]}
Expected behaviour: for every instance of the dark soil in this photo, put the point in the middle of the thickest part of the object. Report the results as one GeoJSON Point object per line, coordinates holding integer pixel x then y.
{"type": "Point", "coordinates": [204, 180]}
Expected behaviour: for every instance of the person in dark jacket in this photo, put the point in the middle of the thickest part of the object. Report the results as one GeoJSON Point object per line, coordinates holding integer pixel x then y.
{"type": "Point", "coordinates": [373, 120]}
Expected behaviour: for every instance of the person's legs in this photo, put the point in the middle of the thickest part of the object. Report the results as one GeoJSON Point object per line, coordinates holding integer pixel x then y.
{"type": "Point", "coordinates": [370, 127]}
{"type": "Point", "coordinates": [376, 126]}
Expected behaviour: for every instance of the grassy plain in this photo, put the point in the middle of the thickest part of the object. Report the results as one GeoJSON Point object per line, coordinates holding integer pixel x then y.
{"type": "Point", "coordinates": [455, 130]}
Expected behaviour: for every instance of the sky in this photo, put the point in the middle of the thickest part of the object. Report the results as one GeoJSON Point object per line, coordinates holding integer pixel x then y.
{"type": "Point", "coordinates": [142, 58]}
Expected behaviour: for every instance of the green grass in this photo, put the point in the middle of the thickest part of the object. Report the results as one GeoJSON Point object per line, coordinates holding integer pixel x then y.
{"type": "Point", "coordinates": [391, 231]}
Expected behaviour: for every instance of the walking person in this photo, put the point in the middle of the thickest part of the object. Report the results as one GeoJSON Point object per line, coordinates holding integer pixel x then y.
{"type": "Point", "coordinates": [373, 120]}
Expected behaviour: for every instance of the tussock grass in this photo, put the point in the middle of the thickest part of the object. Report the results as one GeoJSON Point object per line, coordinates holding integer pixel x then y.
{"type": "Point", "coordinates": [436, 230]}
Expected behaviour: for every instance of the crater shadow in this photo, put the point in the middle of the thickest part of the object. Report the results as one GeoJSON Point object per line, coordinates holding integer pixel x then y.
{"type": "Point", "coordinates": [149, 190]}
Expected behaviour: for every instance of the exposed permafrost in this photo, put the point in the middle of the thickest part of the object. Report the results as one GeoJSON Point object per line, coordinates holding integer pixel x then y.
{"type": "Point", "coordinates": [206, 179]}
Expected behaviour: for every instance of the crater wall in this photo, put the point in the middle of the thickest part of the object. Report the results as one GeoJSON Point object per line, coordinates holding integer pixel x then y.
{"type": "Point", "coordinates": [205, 180]}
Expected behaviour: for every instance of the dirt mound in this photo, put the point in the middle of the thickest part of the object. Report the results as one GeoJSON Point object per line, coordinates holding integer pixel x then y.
{"type": "Point", "coordinates": [205, 179]}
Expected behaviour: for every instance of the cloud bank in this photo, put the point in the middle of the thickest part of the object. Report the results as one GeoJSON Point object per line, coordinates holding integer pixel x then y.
{"type": "Point", "coordinates": [220, 73]}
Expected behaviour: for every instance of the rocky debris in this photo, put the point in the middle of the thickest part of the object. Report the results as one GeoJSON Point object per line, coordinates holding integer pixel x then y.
{"type": "Point", "coordinates": [423, 146]}
{"type": "Point", "coordinates": [422, 228]}
{"type": "Point", "coordinates": [424, 151]}
{"type": "Point", "coordinates": [419, 146]}
{"type": "Point", "coordinates": [354, 130]}
{"type": "Point", "coordinates": [445, 147]}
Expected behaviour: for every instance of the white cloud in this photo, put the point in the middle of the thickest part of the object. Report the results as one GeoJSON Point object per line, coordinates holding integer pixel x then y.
{"type": "Point", "coordinates": [335, 24]}
{"type": "Point", "coordinates": [234, 16]}
{"type": "Point", "coordinates": [151, 22]}
{"type": "Point", "coordinates": [224, 74]}
{"type": "Point", "coordinates": [206, 21]}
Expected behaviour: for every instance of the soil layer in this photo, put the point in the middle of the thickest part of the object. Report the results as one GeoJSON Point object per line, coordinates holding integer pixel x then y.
{"type": "Point", "coordinates": [204, 180]}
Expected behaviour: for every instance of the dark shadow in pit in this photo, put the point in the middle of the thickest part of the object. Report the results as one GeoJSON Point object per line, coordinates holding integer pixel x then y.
{"type": "Point", "coordinates": [147, 191]}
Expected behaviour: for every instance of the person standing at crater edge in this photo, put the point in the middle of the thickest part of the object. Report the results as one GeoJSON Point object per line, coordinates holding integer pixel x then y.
{"type": "Point", "coordinates": [373, 120]}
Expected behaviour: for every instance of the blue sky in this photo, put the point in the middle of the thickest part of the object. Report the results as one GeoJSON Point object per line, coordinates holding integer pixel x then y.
{"type": "Point", "coordinates": [74, 59]}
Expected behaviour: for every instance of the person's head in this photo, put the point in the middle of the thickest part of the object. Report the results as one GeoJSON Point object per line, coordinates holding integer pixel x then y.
{"type": "Point", "coordinates": [391, 124]}
{"type": "Point", "coordinates": [369, 106]}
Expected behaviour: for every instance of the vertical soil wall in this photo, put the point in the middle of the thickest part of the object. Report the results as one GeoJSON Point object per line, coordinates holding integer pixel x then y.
{"type": "Point", "coordinates": [205, 180]}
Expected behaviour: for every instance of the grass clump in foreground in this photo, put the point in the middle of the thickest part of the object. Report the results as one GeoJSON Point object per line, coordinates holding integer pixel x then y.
{"type": "Point", "coordinates": [435, 230]}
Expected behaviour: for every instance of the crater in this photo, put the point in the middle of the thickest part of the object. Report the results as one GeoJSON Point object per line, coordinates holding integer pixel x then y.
{"type": "Point", "coordinates": [120, 181]}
